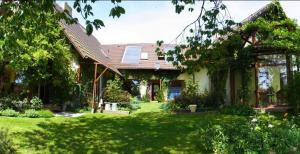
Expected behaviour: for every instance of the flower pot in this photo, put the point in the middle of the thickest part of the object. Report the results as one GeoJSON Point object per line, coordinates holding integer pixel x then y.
{"type": "Point", "coordinates": [193, 107]}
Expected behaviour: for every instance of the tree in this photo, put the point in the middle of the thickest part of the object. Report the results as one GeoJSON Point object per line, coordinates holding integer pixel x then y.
{"type": "Point", "coordinates": [33, 44]}
{"type": "Point", "coordinates": [36, 48]}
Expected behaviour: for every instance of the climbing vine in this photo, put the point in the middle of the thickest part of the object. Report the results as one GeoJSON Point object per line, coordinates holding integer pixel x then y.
{"type": "Point", "coordinates": [152, 75]}
{"type": "Point", "coordinates": [222, 46]}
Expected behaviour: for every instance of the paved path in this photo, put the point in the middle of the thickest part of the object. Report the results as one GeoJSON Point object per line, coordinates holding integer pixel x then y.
{"type": "Point", "coordinates": [68, 114]}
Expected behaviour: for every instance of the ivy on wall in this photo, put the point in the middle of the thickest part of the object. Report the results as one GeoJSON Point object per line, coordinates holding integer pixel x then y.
{"type": "Point", "coordinates": [232, 50]}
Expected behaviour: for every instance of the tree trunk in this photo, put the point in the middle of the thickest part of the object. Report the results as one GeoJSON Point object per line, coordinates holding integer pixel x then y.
{"type": "Point", "coordinates": [232, 85]}
{"type": "Point", "coordinates": [289, 72]}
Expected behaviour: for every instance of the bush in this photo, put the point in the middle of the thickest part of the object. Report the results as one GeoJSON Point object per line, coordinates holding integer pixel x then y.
{"type": "Point", "coordinates": [6, 145]}
{"type": "Point", "coordinates": [183, 101]}
{"type": "Point", "coordinates": [242, 110]}
{"type": "Point", "coordinates": [129, 107]}
{"type": "Point", "coordinates": [261, 134]}
{"type": "Point", "coordinates": [146, 98]}
{"type": "Point", "coordinates": [115, 93]}
{"type": "Point", "coordinates": [9, 113]}
{"type": "Point", "coordinates": [293, 93]}
{"type": "Point", "coordinates": [36, 103]}
{"type": "Point", "coordinates": [6, 102]}
{"type": "Point", "coordinates": [45, 113]}
{"type": "Point", "coordinates": [21, 105]}
{"type": "Point", "coordinates": [166, 106]}
{"type": "Point", "coordinates": [83, 110]}
{"type": "Point", "coordinates": [160, 97]}
{"type": "Point", "coordinates": [31, 113]}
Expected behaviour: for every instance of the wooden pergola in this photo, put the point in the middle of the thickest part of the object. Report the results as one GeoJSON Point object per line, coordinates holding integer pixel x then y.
{"type": "Point", "coordinates": [261, 50]}
{"type": "Point", "coordinates": [97, 89]}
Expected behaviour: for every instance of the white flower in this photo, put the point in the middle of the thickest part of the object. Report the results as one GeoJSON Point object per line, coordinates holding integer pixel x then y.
{"type": "Point", "coordinates": [270, 126]}
{"type": "Point", "coordinates": [254, 120]}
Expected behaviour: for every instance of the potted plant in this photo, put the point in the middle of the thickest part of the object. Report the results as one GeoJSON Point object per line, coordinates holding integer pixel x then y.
{"type": "Point", "coordinates": [193, 107]}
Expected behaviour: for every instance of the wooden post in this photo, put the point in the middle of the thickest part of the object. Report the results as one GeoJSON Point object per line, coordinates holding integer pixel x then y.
{"type": "Point", "coordinates": [232, 85]}
{"type": "Point", "coordinates": [94, 88]}
{"type": "Point", "coordinates": [256, 84]}
{"type": "Point", "coordinates": [297, 63]}
{"type": "Point", "coordinates": [288, 68]}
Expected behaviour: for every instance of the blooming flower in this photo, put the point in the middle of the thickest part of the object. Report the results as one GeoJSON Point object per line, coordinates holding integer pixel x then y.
{"type": "Point", "coordinates": [254, 120]}
{"type": "Point", "coordinates": [270, 126]}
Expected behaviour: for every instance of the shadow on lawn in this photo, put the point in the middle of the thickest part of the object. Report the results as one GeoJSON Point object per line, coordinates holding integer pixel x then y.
{"type": "Point", "coordinates": [143, 133]}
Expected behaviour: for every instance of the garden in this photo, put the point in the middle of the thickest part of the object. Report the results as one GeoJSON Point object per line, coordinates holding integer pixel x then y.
{"type": "Point", "coordinates": [205, 124]}
{"type": "Point", "coordinates": [152, 129]}
{"type": "Point", "coordinates": [39, 79]}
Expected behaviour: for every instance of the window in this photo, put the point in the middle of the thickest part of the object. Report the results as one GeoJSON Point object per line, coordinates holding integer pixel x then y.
{"type": "Point", "coordinates": [144, 56]}
{"type": "Point", "coordinates": [132, 55]}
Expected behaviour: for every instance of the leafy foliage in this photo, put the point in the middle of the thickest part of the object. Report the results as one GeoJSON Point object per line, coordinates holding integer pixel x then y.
{"type": "Point", "coordinates": [242, 110]}
{"type": "Point", "coordinates": [218, 44]}
{"type": "Point", "coordinates": [115, 93]}
{"type": "Point", "coordinates": [32, 113]}
{"type": "Point", "coordinates": [146, 98]}
{"type": "Point", "coordinates": [160, 97]}
{"type": "Point", "coordinates": [85, 9]}
{"type": "Point", "coordinates": [36, 103]}
{"type": "Point", "coordinates": [37, 51]}
{"type": "Point", "coordinates": [6, 144]}
{"type": "Point", "coordinates": [243, 137]}
{"type": "Point", "coordinates": [293, 92]}
{"type": "Point", "coordinates": [9, 113]}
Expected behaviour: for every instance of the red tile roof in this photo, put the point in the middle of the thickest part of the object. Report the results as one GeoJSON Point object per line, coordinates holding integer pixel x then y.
{"type": "Point", "coordinates": [87, 46]}
{"type": "Point", "coordinates": [116, 51]}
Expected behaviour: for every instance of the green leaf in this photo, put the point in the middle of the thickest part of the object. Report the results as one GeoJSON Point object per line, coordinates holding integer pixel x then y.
{"type": "Point", "coordinates": [89, 29]}
{"type": "Point", "coordinates": [117, 11]}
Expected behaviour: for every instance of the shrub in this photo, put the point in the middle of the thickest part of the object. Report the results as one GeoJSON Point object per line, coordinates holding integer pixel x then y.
{"type": "Point", "coordinates": [261, 134]}
{"type": "Point", "coordinates": [135, 100]}
{"type": "Point", "coordinates": [160, 97]}
{"type": "Point", "coordinates": [129, 107]}
{"type": "Point", "coordinates": [83, 110]}
{"type": "Point", "coordinates": [9, 113]}
{"type": "Point", "coordinates": [32, 113]}
{"type": "Point", "coordinates": [146, 98]}
{"type": "Point", "coordinates": [36, 103]}
{"type": "Point", "coordinates": [6, 102]}
{"type": "Point", "coordinates": [183, 101]}
{"type": "Point", "coordinates": [115, 93]}
{"type": "Point", "coordinates": [45, 113]}
{"type": "Point", "coordinates": [6, 145]}
{"type": "Point", "coordinates": [293, 92]}
{"type": "Point", "coordinates": [242, 110]}
{"type": "Point", "coordinates": [167, 106]}
{"type": "Point", "coordinates": [191, 88]}
{"type": "Point", "coordinates": [21, 105]}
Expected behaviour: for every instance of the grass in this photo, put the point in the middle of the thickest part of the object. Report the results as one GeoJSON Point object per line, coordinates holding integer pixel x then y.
{"type": "Point", "coordinates": [148, 130]}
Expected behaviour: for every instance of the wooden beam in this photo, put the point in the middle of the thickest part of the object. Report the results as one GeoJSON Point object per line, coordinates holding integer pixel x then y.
{"type": "Point", "coordinates": [101, 74]}
{"type": "Point", "coordinates": [232, 85]}
{"type": "Point", "coordinates": [289, 73]}
{"type": "Point", "coordinates": [94, 87]}
{"type": "Point", "coordinates": [256, 85]}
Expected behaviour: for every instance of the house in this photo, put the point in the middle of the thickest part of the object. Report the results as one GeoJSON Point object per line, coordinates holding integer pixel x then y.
{"type": "Point", "coordinates": [128, 61]}
{"type": "Point", "coordinates": [138, 64]}
{"type": "Point", "coordinates": [141, 62]}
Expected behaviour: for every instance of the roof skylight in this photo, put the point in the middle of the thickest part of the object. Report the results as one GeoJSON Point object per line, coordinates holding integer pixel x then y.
{"type": "Point", "coordinates": [132, 55]}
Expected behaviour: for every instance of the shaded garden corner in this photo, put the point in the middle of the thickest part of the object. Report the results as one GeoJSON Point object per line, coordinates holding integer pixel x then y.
{"type": "Point", "coordinates": [143, 133]}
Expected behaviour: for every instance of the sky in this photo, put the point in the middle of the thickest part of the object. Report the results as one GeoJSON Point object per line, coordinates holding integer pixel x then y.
{"type": "Point", "coordinates": [149, 21]}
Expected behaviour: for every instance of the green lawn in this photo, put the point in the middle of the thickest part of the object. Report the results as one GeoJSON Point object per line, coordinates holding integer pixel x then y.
{"type": "Point", "coordinates": [148, 130]}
